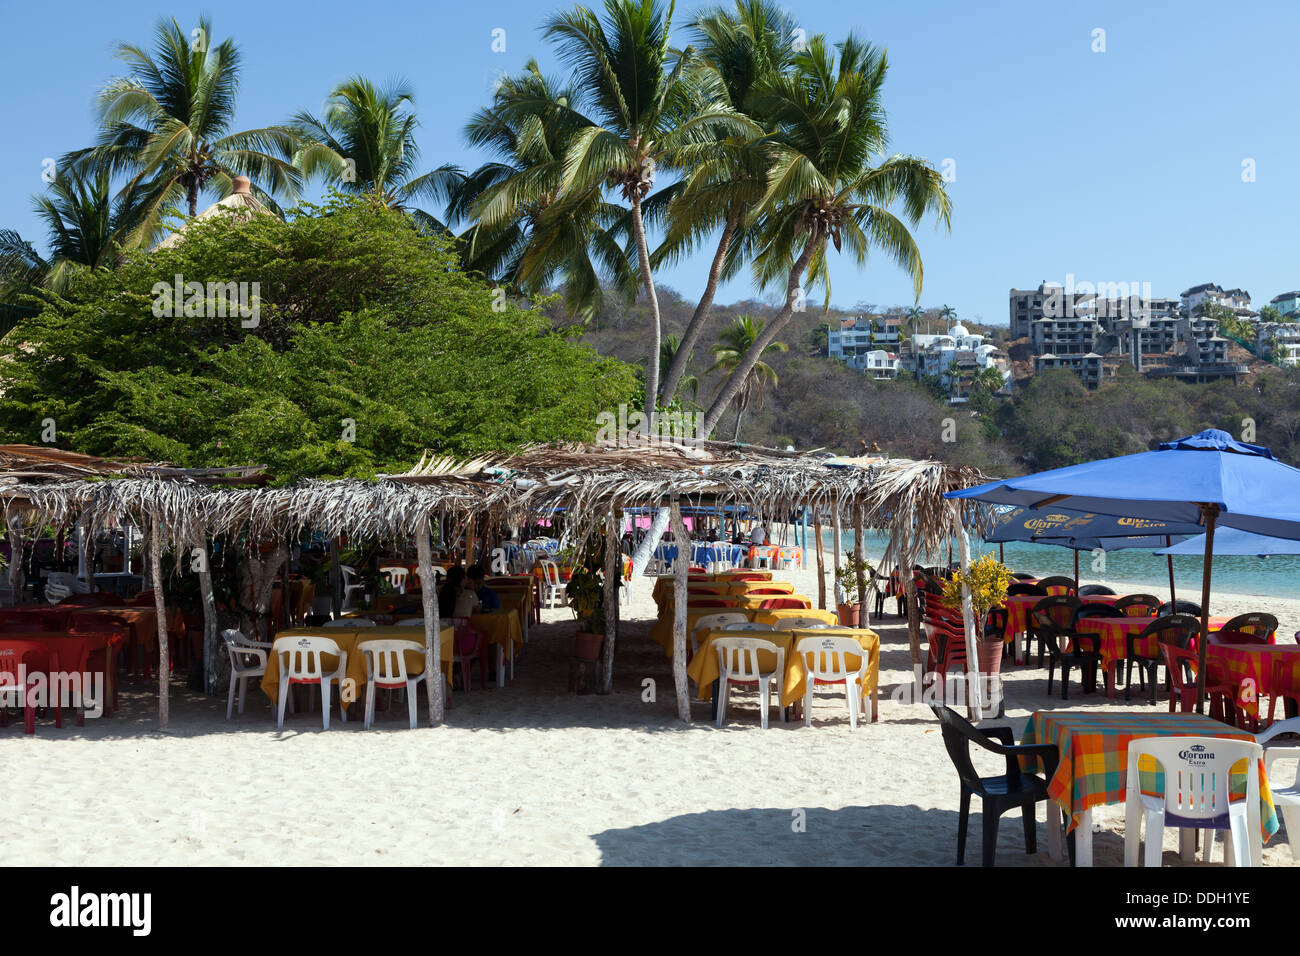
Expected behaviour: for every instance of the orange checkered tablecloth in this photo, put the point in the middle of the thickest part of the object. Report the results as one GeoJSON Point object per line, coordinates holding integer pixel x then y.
{"type": "Point", "coordinates": [1250, 668]}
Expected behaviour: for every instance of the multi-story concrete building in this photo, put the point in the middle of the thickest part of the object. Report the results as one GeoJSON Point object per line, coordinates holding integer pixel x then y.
{"type": "Point", "coordinates": [867, 345]}
{"type": "Point", "coordinates": [1087, 366]}
{"type": "Point", "coordinates": [1048, 300]}
{"type": "Point", "coordinates": [1280, 342]}
{"type": "Point", "coordinates": [1064, 336]}
{"type": "Point", "coordinates": [1209, 291]}
{"type": "Point", "coordinates": [1286, 303]}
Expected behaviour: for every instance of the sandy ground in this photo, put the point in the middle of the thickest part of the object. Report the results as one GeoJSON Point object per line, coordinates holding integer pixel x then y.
{"type": "Point", "coordinates": [527, 774]}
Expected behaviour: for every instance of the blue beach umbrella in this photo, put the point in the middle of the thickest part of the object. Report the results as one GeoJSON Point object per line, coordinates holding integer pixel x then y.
{"type": "Point", "coordinates": [1208, 478]}
{"type": "Point", "coordinates": [1232, 541]}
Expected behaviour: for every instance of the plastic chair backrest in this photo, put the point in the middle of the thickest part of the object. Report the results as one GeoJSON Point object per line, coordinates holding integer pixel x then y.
{"type": "Point", "coordinates": [747, 626]}
{"type": "Point", "coordinates": [1057, 584]}
{"type": "Point", "coordinates": [396, 575]}
{"type": "Point", "coordinates": [14, 654]}
{"type": "Point", "coordinates": [242, 652]}
{"type": "Point", "coordinates": [1175, 629]}
{"type": "Point", "coordinates": [1256, 623]}
{"type": "Point", "coordinates": [300, 657]}
{"type": "Point", "coordinates": [1197, 772]}
{"type": "Point", "coordinates": [738, 657]}
{"type": "Point", "coordinates": [1015, 589]}
{"type": "Point", "coordinates": [795, 622]}
{"type": "Point", "coordinates": [386, 661]}
{"type": "Point", "coordinates": [1097, 610]}
{"type": "Point", "coordinates": [550, 573]}
{"type": "Point", "coordinates": [1289, 726]}
{"type": "Point", "coordinates": [1178, 607]}
{"type": "Point", "coordinates": [958, 734]}
{"type": "Point", "coordinates": [1178, 661]}
{"type": "Point", "coordinates": [1058, 610]}
{"type": "Point", "coordinates": [827, 658]}
{"type": "Point", "coordinates": [1138, 605]}
{"type": "Point", "coordinates": [1089, 589]}
{"type": "Point", "coordinates": [777, 603]}
{"type": "Point", "coordinates": [712, 622]}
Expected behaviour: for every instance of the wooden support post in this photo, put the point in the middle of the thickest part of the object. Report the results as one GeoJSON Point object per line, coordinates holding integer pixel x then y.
{"type": "Point", "coordinates": [433, 682]}
{"type": "Point", "coordinates": [835, 550]}
{"type": "Point", "coordinates": [211, 646]}
{"type": "Point", "coordinates": [15, 529]}
{"type": "Point", "coordinates": [1211, 513]}
{"type": "Point", "coordinates": [286, 602]}
{"type": "Point", "coordinates": [821, 565]}
{"type": "Point", "coordinates": [336, 594]}
{"type": "Point", "coordinates": [160, 609]}
{"type": "Point", "coordinates": [974, 695]}
{"type": "Point", "coordinates": [680, 568]}
{"type": "Point", "coordinates": [471, 539]}
{"type": "Point", "coordinates": [613, 578]}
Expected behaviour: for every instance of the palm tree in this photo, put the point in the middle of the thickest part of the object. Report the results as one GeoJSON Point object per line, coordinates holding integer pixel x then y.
{"type": "Point", "coordinates": [946, 315]}
{"type": "Point", "coordinates": [365, 141]}
{"type": "Point", "coordinates": [725, 177]}
{"type": "Point", "coordinates": [167, 123]}
{"type": "Point", "coordinates": [643, 108]}
{"type": "Point", "coordinates": [828, 185]}
{"type": "Point", "coordinates": [526, 230]}
{"type": "Point", "coordinates": [914, 315]}
{"type": "Point", "coordinates": [86, 228]}
{"type": "Point", "coordinates": [668, 350]}
{"type": "Point", "coordinates": [734, 343]}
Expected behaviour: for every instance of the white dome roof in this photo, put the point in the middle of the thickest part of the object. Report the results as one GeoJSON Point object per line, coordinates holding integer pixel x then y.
{"type": "Point", "coordinates": [958, 329]}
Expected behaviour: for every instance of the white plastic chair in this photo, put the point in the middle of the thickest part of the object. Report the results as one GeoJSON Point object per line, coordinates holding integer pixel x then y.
{"type": "Point", "coordinates": [1196, 772]}
{"type": "Point", "coordinates": [54, 593]}
{"type": "Point", "coordinates": [552, 591]}
{"type": "Point", "coordinates": [397, 577]}
{"type": "Point", "coordinates": [350, 585]}
{"type": "Point", "coordinates": [803, 622]}
{"type": "Point", "coordinates": [714, 622]}
{"type": "Point", "coordinates": [738, 664]}
{"type": "Point", "coordinates": [300, 663]}
{"type": "Point", "coordinates": [764, 556]}
{"type": "Point", "coordinates": [1285, 798]}
{"type": "Point", "coordinates": [247, 659]}
{"type": "Point", "coordinates": [386, 669]}
{"type": "Point", "coordinates": [826, 661]}
{"type": "Point", "coordinates": [747, 626]}
{"type": "Point", "coordinates": [65, 579]}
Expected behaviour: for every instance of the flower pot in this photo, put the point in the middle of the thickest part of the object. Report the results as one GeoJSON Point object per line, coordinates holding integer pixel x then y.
{"type": "Point", "coordinates": [990, 664]}
{"type": "Point", "coordinates": [586, 646]}
{"type": "Point", "coordinates": [848, 614]}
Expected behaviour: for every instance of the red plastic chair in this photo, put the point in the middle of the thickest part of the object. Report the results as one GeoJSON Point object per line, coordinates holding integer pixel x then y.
{"type": "Point", "coordinates": [1284, 685]}
{"type": "Point", "coordinates": [747, 576]}
{"type": "Point", "coordinates": [1182, 692]}
{"type": "Point", "coordinates": [1237, 638]}
{"type": "Point", "coordinates": [767, 591]}
{"type": "Point", "coordinates": [776, 604]}
{"type": "Point", "coordinates": [471, 645]}
{"type": "Point", "coordinates": [25, 659]}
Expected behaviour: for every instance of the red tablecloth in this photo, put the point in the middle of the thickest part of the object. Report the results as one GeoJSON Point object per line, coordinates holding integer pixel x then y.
{"type": "Point", "coordinates": [1250, 668]}
{"type": "Point", "coordinates": [1114, 632]}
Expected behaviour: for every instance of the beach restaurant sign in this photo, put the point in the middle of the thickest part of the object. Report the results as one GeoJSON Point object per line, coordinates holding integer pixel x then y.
{"type": "Point", "coordinates": [1027, 524]}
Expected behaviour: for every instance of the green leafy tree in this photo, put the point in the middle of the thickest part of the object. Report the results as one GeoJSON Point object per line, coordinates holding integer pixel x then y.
{"type": "Point", "coordinates": [168, 124]}
{"type": "Point", "coordinates": [369, 346]}
{"type": "Point", "coordinates": [828, 184]}
{"type": "Point", "coordinates": [733, 344]}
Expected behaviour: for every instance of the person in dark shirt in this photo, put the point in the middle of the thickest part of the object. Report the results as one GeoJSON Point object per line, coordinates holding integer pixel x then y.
{"type": "Point", "coordinates": [490, 599]}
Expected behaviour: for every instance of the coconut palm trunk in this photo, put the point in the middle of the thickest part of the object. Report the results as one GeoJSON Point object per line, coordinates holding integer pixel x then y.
{"type": "Point", "coordinates": [677, 367]}
{"type": "Point", "coordinates": [738, 377]}
{"type": "Point", "coordinates": [648, 282]}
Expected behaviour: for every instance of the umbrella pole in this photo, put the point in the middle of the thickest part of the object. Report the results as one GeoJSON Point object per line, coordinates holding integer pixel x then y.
{"type": "Point", "coordinates": [1002, 558]}
{"type": "Point", "coordinates": [1211, 512]}
{"type": "Point", "coordinates": [1170, 559]}
{"type": "Point", "coordinates": [1076, 569]}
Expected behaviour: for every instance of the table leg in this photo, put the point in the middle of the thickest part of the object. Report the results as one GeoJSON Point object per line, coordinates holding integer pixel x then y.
{"type": "Point", "coordinates": [501, 666]}
{"type": "Point", "coordinates": [1083, 840]}
{"type": "Point", "coordinates": [717, 688]}
{"type": "Point", "coordinates": [1055, 847]}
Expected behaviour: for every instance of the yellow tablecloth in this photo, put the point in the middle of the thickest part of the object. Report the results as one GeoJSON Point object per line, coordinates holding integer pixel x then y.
{"type": "Point", "coordinates": [777, 615]}
{"type": "Point", "coordinates": [663, 589]}
{"type": "Point", "coordinates": [500, 627]}
{"type": "Point", "coordinates": [348, 639]}
{"type": "Point", "coordinates": [754, 602]}
{"type": "Point", "coordinates": [519, 600]}
{"type": "Point", "coordinates": [703, 668]}
{"type": "Point", "coordinates": [662, 629]}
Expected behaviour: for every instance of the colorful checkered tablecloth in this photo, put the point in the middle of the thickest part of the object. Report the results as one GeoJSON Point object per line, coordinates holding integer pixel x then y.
{"type": "Point", "coordinates": [1249, 667]}
{"type": "Point", "coordinates": [1094, 756]}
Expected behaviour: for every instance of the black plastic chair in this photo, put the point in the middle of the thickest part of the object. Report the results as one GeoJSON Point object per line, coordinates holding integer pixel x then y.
{"type": "Point", "coordinates": [1137, 600]}
{"type": "Point", "coordinates": [1014, 789]}
{"type": "Point", "coordinates": [1094, 589]}
{"type": "Point", "coordinates": [1024, 576]}
{"type": "Point", "coordinates": [1052, 624]}
{"type": "Point", "coordinates": [1175, 629]}
{"type": "Point", "coordinates": [1023, 588]}
{"type": "Point", "coordinates": [1178, 607]}
{"type": "Point", "coordinates": [996, 623]}
{"type": "Point", "coordinates": [1256, 623]}
{"type": "Point", "coordinates": [1057, 581]}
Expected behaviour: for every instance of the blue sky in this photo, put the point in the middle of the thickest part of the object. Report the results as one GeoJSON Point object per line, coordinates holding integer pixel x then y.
{"type": "Point", "coordinates": [1123, 165]}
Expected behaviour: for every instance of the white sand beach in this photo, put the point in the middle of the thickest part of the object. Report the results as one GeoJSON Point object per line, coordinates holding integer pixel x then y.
{"type": "Point", "coordinates": [530, 774]}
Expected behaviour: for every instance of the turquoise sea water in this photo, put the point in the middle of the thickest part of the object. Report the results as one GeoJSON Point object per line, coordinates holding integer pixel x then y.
{"type": "Point", "coordinates": [1276, 576]}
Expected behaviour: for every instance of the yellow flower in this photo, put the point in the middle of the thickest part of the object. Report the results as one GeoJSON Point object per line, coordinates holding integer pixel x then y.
{"type": "Point", "coordinates": [987, 579]}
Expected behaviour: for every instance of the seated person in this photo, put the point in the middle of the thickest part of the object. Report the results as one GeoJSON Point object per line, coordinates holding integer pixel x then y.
{"type": "Point", "coordinates": [488, 598]}
{"type": "Point", "coordinates": [758, 534]}
{"type": "Point", "coordinates": [455, 599]}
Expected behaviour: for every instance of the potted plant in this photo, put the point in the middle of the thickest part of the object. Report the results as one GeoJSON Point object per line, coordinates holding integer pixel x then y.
{"type": "Point", "coordinates": [987, 579]}
{"type": "Point", "coordinates": [586, 595]}
{"type": "Point", "coordinates": [846, 581]}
